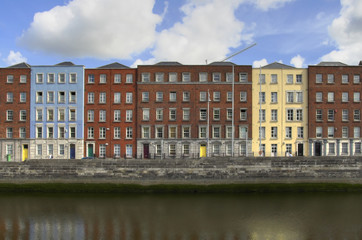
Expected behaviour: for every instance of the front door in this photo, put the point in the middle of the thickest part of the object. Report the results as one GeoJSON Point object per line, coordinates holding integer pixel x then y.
{"type": "Point", "coordinates": [25, 152]}
{"type": "Point", "coordinates": [317, 149]}
{"type": "Point", "coordinates": [90, 150]}
{"type": "Point", "coordinates": [72, 151]}
{"type": "Point", "coordinates": [300, 149]}
{"type": "Point", "coordinates": [146, 150]}
{"type": "Point", "coordinates": [203, 150]}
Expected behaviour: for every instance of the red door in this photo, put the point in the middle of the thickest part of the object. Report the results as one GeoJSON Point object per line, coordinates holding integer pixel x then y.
{"type": "Point", "coordinates": [146, 150]}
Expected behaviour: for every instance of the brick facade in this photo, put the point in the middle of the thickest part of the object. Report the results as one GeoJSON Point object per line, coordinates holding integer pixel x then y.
{"type": "Point", "coordinates": [15, 109]}
{"type": "Point", "coordinates": [174, 110]}
{"type": "Point", "coordinates": [184, 105]}
{"type": "Point", "coordinates": [334, 109]}
{"type": "Point", "coordinates": [105, 111]}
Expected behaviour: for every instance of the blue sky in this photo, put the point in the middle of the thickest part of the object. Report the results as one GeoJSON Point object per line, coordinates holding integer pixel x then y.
{"type": "Point", "coordinates": [97, 32]}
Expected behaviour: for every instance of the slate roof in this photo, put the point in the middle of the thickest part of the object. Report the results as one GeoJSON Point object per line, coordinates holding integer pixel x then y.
{"type": "Point", "coordinates": [166, 63]}
{"type": "Point", "coordinates": [114, 65]}
{"type": "Point", "coordinates": [222, 63]}
{"type": "Point", "coordinates": [277, 65]}
{"type": "Point", "coordinates": [65, 64]}
{"type": "Point", "coordinates": [20, 65]}
{"type": "Point", "coordinates": [331, 64]}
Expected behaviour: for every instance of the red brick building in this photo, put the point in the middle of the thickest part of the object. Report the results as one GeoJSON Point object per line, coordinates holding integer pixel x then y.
{"type": "Point", "coordinates": [334, 109]}
{"type": "Point", "coordinates": [186, 110]}
{"type": "Point", "coordinates": [110, 108]}
{"type": "Point", "coordinates": [15, 109]}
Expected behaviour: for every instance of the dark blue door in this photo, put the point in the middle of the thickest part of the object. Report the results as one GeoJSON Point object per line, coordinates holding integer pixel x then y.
{"type": "Point", "coordinates": [72, 151]}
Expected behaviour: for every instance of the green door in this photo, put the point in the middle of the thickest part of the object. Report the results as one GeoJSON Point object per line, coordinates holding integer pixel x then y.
{"type": "Point", "coordinates": [90, 150]}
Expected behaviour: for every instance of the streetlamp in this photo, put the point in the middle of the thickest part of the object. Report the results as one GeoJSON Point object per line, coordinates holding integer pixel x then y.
{"type": "Point", "coordinates": [232, 95]}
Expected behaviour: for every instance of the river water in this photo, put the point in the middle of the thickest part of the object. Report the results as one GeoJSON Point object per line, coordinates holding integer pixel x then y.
{"type": "Point", "coordinates": [199, 216]}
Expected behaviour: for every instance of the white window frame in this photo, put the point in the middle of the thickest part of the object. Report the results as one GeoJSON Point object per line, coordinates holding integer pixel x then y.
{"type": "Point", "coordinates": [186, 77]}
{"type": "Point", "coordinates": [102, 78]}
{"type": "Point", "coordinates": [129, 115]}
{"type": "Point", "coordinates": [117, 78]}
{"type": "Point", "coordinates": [129, 97]}
{"type": "Point", "coordinates": [39, 78]}
{"type": "Point", "coordinates": [117, 97]}
{"type": "Point", "coordinates": [129, 79]}
{"type": "Point", "coordinates": [202, 77]}
{"type": "Point", "coordinates": [159, 77]}
{"type": "Point", "coordinates": [216, 77]}
{"type": "Point", "coordinates": [186, 96]}
{"type": "Point", "coordinates": [102, 97]}
{"type": "Point", "coordinates": [243, 96]}
{"type": "Point", "coordinates": [117, 115]}
{"type": "Point", "coordinates": [51, 78]}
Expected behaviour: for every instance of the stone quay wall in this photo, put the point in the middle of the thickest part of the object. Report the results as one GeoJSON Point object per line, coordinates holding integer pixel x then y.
{"type": "Point", "coordinates": [182, 171]}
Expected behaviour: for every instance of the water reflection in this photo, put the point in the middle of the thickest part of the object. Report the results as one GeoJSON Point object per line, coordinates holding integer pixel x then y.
{"type": "Point", "coordinates": [249, 216]}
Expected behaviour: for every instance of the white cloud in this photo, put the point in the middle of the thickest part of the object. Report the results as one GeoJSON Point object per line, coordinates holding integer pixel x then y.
{"type": "Point", "coordinates": [297, 61]}
{"type": "Point", "coordinates": [201, 35]}
{"type": "Point", "coordinates": [150, 61]}
{"type": "Point", "coordinates": [269, 4]}
{"type": "Point", "coordinates": [260, 63]}
{"type": "Point", "coordinates": [14, 58]}
{"type": "Point", "coordinates": [98, 28]}
{"type": "Point", "coordinates": [121, 29]}
{"type": "Point", "coordinates": [346, 31]}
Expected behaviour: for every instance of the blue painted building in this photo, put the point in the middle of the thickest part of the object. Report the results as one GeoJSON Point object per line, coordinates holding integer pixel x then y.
{"type": "Point", "coordinates": [57, 111]}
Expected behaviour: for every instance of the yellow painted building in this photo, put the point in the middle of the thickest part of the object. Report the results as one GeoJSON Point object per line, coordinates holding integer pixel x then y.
{"type": "Point", "coordinates": [280, 111]}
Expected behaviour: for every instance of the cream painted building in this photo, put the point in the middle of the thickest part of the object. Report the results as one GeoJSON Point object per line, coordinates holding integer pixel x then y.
{"type": "Point", "coordinates": [280, 111]}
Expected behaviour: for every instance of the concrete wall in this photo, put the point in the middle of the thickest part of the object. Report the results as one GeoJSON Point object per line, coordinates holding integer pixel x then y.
{"type": "Point", "coordinates": [212, 170]}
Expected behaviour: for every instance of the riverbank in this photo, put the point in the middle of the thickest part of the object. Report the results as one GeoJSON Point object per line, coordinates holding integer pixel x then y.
{"type": "Point", "coordinates": [231, 175]}
{"type": "Point", "coordinates": [109, 188]}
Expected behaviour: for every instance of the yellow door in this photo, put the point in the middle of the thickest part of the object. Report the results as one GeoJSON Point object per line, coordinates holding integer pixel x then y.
{"type": "Point", "coordinates": [202, 151]}
{"type": "Point", "coordinates": [25, 152]}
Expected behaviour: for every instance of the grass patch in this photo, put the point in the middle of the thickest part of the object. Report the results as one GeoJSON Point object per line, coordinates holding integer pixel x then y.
{"type": "Point", "coordinates": [177, 188]}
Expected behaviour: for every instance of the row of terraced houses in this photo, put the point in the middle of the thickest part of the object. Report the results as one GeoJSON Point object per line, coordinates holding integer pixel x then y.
{"type": "Point", "coordinates": [175, 110]}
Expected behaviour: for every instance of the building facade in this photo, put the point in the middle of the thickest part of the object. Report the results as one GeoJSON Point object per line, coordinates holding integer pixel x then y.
{"type": "Point", "coordinates": [110, 108]}
{"type": "Point", "coordinates": [57, 111]}
{"type": "Point", "coordinates": [186, 110]}
{"type": "Point", "coordinates": [334, 109]}
{"type": "Point", "coordinates": [15, 106]}
{"type": "Point", "coordinates": [280, 116]}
